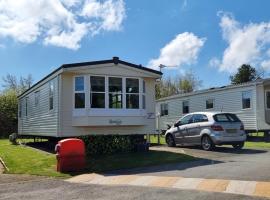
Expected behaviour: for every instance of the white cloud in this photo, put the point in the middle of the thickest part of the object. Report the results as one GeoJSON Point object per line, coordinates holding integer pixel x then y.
{"type": "Point", "coordinates": [58, 22]}
{"type": "Point", "coordinates": [183, 49]}
{"type": "Point", "coordinates": [110, 13]}
{"type": "Point", "coordinates": [266, 64]}
{"type": "Point", "coordinates": [246, 43]}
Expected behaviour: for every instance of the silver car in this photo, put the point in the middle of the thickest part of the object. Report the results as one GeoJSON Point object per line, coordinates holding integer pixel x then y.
{"type": "Point", "coordinates": [207, 129]}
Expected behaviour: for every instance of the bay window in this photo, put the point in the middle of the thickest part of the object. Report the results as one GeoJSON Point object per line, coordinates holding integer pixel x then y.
{"type": "Point", "coordinates": [115, 93]}
{"type": "Point", "coordinates": [132, 93]}
{"type": "Point", "coordinates": [79, 92]}
{"type": "Point", "coordinates": [97, 92]}
{"type": "Point", "coordinates": [109, 93]}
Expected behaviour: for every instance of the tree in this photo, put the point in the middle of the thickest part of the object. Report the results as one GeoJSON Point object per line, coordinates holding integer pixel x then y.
{"type": "Point", "coordinates": [18, 85]}
{"type": "Point", "coordinates": [244, 74]}
{"type": "Point", "coordinates": [8, 113]}
{"type": "Point", "coordinates": [177, 85]}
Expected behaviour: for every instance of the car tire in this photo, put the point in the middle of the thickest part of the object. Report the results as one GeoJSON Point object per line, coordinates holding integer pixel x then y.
{"type": "Point", "coordinates": [170, 141]}
{"type": "Point", "coordinates": [239, 145]}
{"type": "Point", "coordinates": [207, 144]}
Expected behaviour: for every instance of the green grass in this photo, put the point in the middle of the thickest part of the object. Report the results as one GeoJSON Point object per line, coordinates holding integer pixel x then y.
{"type": "Point", "coordinates": [263, 145]}
{"type": "Point", "coordinates": [248, 144]}
{"type": "Point", "coordinates": [25, 160]}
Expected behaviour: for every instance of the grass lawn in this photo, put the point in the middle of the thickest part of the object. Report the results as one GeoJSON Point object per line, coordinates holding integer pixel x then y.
{"type": "Point", "coordinates": [248, 144]}
{"type": "Point", "coordinates": [25, 160]}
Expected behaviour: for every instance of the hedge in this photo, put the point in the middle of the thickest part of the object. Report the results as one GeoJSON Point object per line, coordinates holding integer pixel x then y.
{"type": "Point", "coordinates": [109, 144]}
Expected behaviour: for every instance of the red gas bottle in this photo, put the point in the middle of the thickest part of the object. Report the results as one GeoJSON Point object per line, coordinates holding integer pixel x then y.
{"type": "Point", "coordinates": [70, 155]}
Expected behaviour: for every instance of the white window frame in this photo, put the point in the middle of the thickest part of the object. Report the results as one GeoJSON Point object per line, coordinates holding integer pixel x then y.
{"type": "Point", "coordinates": [80, 91]}
{"type": "Point", "coordinates": [206, 103]}
{"type": "Point", "coordinates": [143, 94]}
{"type": "Point", "coordinates": [250, 100]}
{"type": "Point", "coordinates": [26, 106]}
{"type": "Point", "coordinates": [138, 93]}
{"type": "Point", "coordinates": [37, 98]}
{"type": "Point", "coordinates": [88, 111]}
{"type": "Point", "coordinates": [161, 113]}
{"type": "Point", "coordinates": [266, 91]}
{"type": "Point", "coordinates": [183, 107]}
{"type": "Point", "coordinates": [51, 95]}
{"type": "Point", "coordinates": [123, 93]}
{"type": "Point", "coordinates": [90, 92]}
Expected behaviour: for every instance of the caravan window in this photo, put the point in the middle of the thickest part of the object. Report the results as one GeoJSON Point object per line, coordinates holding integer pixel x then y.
{"type": "Point", "coordinates": [163, 109]}
{"type": "Point", "coordinates": [79, 92]}
{"type": "Point", "coordinates": [51, 94]}
{"type": "Point", "coordinates": [115, 92]}
{"type": "Point", "coordinates": [97, 93]}
{"type": "Point", "coordinates": [246, 99]}
{"type": "Point", "coordinates": [185, 108]}
{"type": "Point", "coordinates": [132, 93]}
{"type": "Point", "coordinates": [209, 103]}
{"type": "Point", "coordinates": [268, 99]}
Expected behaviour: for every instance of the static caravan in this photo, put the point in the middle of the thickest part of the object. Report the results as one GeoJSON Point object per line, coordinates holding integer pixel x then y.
{"type": "Point", "coordinates": [99, 97]}
{"type": "Point", "coordinates": [249, 101]}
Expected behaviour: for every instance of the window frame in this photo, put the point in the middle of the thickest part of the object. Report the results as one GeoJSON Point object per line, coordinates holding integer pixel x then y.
{"type": "Point", "coordinates": [143, 94]}
{"type": "Point", "coordinates": [132, 93]}
{"type": "Point", "coordinates": [213, 103]}
{"type": "Point", "coordinates": [51, 94]}
{"type": "Point", "coordinates": [162, 113]}
{"type": "Point", "coordinates": [26, 106]}
{"type": "Point", "coordinates": [242, 93]}
{"type": "Point", "coordinates": [122, 93]}
{"type": "Point", "coordinates": [183, 107]}
{"type": "Point", "coordinates": [266, 106]}
{"type": "Point", "coordinates": [37, 98]}
{"type": "Point", "coordinates": [105, 91]}
{"type": "Point", "coordinates": [79, 91]}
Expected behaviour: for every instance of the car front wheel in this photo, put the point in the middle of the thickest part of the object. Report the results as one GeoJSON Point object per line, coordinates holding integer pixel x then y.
{"type": "Point", "coordinates": [170, 140]}
{"type": "Point", "coordinates": [207, 143]}
{"type": "Point", "coordinates": [239, 145]}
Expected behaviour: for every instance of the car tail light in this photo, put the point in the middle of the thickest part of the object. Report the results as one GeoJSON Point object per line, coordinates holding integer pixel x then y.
{"type": "Point", "coordinates": [242, 128]}
{"type": "Point", "coordinates": [217, 128]}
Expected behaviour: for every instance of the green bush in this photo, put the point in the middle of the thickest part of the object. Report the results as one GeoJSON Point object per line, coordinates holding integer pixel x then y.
{"type": "Point", "coordinates": [8, 113]}
{"type": "Point", "coordinates": [109, 144]}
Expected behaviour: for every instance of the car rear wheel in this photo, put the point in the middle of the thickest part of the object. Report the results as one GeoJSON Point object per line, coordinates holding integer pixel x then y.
{"type": "Point", "coordinates": [170, 140]}
{"type": "Point", "coordinates": [239, 145]}
{"type": "Point", "coordinates": [207, 143]}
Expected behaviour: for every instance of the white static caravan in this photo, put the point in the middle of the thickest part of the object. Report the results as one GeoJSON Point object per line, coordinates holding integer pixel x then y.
{"type": "Point", "coordinates": [249, 101]}
{"type": "Point", "coordinates": [90, 98]}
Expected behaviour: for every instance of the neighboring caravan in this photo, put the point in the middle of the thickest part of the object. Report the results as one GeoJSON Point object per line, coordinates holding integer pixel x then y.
{"type": "Point", "coordinates": [100, 97]}
{"type": "Point", "coordinates": [250, 101]}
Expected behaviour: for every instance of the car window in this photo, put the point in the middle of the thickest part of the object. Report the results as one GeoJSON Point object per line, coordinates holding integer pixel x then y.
{"type": "Point", "coordinates": [226, 117]}
{"type": "Point", "coordinates": [186, 120]}
{"type": "Point", "coordinates": [199, 118]}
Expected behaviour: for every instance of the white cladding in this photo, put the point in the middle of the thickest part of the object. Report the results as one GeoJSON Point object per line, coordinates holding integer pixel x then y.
{"type": "Point", "coordinates": [227, 99]}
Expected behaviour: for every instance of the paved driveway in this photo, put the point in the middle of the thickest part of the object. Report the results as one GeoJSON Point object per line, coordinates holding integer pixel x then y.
{"type": "Point", "coordinates": [223, 163]}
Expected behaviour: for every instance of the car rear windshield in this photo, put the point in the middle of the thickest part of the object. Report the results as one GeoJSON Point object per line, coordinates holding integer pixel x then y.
{"type": "Point", "coordinates": [226, 117]}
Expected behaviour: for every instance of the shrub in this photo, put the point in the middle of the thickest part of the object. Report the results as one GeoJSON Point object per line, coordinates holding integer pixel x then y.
{"type": "Point", "coordinates": [109, 144]}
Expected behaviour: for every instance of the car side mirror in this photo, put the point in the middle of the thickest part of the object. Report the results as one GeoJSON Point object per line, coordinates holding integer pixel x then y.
{"type": "Point", "coordinates": [177, 124]}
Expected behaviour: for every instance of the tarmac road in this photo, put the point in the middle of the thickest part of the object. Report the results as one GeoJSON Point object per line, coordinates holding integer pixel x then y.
{"type": "Point", "coordinates": [223, 163]}
{"type": "Point", "coordinates": [45, 189]}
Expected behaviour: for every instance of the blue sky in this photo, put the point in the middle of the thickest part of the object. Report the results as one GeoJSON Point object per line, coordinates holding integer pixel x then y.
{"type": "Point", "coordinates": [210, 37]}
